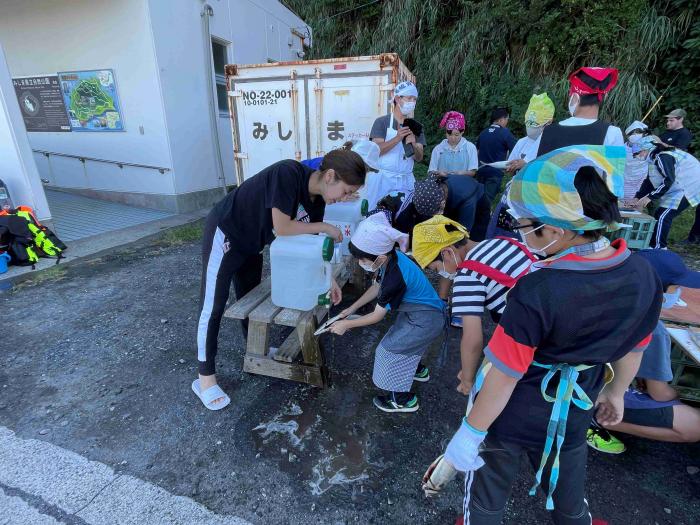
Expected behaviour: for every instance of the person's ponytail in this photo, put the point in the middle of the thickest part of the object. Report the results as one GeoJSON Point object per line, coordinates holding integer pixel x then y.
{"type": "Point", "coordinates": [598, 201]}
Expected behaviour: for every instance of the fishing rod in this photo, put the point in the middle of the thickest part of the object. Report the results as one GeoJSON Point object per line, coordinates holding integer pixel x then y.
{"type": "Point", "coordinates": [660, 97]}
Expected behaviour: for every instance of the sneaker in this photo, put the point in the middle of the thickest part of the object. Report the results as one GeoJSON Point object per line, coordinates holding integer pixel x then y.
{"type": "Point", "coordinates": [456, 321]}
{"type": "Point", "coordinates": [388, 404]}
{"type": "Point", "coordinates": [422, 374]}
{"type": "Point", "coordinates": [603, 441]}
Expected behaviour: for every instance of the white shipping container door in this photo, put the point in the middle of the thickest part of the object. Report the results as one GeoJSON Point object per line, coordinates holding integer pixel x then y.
{"type": "Point", "coordinates": [266, 120]}
{"type": "Point", "coordinates": [345, 107]}
{"type": "Point", "coordinates": [302, 110]}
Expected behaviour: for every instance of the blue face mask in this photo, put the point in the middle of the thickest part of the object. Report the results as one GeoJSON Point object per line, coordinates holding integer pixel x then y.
{"type": "Point", "coordinates": [670, 299]}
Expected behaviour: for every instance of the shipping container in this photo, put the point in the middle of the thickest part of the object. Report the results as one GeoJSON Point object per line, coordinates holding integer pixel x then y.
{"type": "Point", "coordinates": [302, 110]}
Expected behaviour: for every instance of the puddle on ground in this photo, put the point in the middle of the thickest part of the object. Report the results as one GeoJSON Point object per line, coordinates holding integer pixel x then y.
{"type": "Point", "coordinates": [323, 453]}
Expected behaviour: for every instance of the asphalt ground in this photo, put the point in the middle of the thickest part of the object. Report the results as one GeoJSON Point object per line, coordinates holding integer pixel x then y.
{"type": "Point", "coordinates": [97, 361]}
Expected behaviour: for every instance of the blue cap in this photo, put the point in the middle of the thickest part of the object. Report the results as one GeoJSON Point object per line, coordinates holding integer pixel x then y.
{"type": "Point", "coordinates": [670, 268]}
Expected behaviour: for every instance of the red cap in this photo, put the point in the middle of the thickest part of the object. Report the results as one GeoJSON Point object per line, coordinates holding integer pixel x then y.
{"type": "Point", "coordinates": [593, 81]}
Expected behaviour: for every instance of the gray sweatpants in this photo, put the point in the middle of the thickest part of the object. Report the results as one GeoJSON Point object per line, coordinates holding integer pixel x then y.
{"type": "Point", "coordinates": [488, 489]}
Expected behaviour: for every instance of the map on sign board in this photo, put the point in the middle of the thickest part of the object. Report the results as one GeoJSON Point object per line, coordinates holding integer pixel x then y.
{"type": "Point", "coordinates": [91, 100]}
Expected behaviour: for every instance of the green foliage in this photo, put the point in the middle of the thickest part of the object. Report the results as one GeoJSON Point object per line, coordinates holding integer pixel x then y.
{"type": "Point", "coordinates": [682, 62]}
{"type": "Point", "coordinates": [469, 55]}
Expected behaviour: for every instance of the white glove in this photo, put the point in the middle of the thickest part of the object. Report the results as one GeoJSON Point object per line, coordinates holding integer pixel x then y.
{"type": "Point", "coordinates": [463, 450]}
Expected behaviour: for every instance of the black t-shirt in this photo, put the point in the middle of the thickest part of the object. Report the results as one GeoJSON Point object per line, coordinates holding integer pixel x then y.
{"type": "Point", "coordinates": [679, 138]}
{"type": "Point", "coordinates": [556, 136]}
{"type": "Point", "coordinates": [245, 214]}
{"type": "Point", "coordinates": [576, 311]}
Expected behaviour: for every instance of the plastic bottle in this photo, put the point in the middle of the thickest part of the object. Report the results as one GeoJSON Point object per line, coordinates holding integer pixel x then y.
{"type": "Point", "coordinates": [346, 216]}
{"type": "Point", "coordinates": [301, 271]}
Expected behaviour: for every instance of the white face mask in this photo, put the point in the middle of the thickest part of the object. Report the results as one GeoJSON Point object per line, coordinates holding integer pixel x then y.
{"type": "Point", "coordinates": [534, 131]}
{"type": "Point", "coordinates": [444, 273]}
{"type": "Point", "coordinates": [407, 108]}
{"type": "Point", "coordinates": [573, 104]}
{"type": "Point", "coordinates": [634, 138]}
{"type": "Point", "coordinates": [369, 268]}
{"type": "Point", "coordinates": [535, 251]}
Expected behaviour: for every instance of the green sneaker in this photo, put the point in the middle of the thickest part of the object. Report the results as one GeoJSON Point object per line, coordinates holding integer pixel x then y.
{"type": "Point", "coordinates": [394, 403]}
{"type": "Point", "coordinates": [603, 441]}
{"type": "Point", "coordinates": [422, 374]}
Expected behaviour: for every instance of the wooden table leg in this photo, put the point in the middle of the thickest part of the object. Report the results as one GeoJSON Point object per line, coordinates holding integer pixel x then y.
{"type": "Point", "coordinates": [258, 338]}
{"type": "Point", "coordinates": [311, 349]}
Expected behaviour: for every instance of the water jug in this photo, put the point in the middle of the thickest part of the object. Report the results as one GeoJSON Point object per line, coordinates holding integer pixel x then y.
{"type": "Point", "coordinates": [301, 271]}
{"type": "Point", "coordinates": [346, 216]}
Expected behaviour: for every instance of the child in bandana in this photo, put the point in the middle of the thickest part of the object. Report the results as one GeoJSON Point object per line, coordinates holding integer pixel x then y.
{"type": "Point", "coordinates": [455, 155]}
{"type": "Point", "coordinates": [399, 285]}
{"type": "Point", "coordinates": [587, 304]}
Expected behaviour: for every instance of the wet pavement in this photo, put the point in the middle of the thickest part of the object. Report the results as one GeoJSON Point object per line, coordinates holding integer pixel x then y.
{"type": "Point", "coordinates": [99, 357]}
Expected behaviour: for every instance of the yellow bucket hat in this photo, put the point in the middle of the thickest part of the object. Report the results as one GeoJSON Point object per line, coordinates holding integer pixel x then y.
{"type": "Point", "coordinates": [432, 236]}
{"type": "Point", "coordinates": [540, 110]}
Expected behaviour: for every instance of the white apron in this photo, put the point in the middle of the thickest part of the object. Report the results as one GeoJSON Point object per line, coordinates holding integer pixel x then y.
{"type": "Point", "coordinates": [395, 172]}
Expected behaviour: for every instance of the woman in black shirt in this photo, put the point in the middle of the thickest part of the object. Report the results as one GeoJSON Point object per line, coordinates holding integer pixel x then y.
{"type": "Point", "coordinates": [286, 198]}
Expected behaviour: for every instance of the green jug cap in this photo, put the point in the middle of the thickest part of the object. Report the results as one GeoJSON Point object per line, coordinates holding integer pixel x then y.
{"type": "Point", "coordinates": [327, 250]}
{"type": "Point", "coordinates": [324, 300]}
{"type": "Point", "coordinates": [364, 207]}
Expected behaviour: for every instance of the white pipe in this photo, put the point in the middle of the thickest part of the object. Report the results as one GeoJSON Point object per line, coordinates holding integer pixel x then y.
{"type": "Point", "coordinates": [207, 12]}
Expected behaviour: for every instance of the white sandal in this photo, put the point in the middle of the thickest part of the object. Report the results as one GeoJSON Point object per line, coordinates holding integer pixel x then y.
{"type": "Point", "coordinates": [210, 395]}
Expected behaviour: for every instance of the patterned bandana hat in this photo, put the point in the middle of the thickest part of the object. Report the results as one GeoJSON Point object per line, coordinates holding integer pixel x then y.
{"type": "Point", "coordinates": [647, 143]}
{"type": "Point", "coordinates": [593, 81]}
{"type": "Point", "coordinates": [428, 196]}
{"type": "Point", "coordinates": [406, 89]}
{"type": "Point", "coordinates": [453, 120]}
{"type": "Point", "coordinates": [539, 111]}
{"type": "Point", "coordinates": [432, 236]}
{"type": "Point", "coordinates": [636, 126]}
{"type": "Point", "coordinates": [544, 190]}
{"type": "Point", "coordinates": [375, 236]}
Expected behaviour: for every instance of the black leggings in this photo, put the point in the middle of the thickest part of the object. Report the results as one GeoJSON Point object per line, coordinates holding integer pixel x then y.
{"type": "Point", "coordinates": [221, 265]}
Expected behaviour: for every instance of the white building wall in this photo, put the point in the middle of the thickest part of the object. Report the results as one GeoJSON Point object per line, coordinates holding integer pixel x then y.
{"type": "Point", "coordinates": [17, 168]}
{"type": "Point", "coordinates": [256, 31]}
{"type": "Point", "coordinates": [45, 37]}
{"type": "Point", "coordinates": [157, 50]}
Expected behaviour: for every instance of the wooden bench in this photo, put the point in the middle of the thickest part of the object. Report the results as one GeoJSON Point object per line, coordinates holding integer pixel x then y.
{"type": "Point", "coordinates": [258, 308]}
{"type": "Point", "coordinates": [685, 356]}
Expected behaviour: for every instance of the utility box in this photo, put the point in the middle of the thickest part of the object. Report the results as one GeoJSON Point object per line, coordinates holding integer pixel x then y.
{"type": "Point", "coordinates": [302, 110]}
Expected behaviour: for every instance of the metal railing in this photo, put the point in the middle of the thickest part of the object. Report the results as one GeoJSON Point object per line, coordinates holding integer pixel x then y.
{"type": "Point", "coordinates": [83, 158]}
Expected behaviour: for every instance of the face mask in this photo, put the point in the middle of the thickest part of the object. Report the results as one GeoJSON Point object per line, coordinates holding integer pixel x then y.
{"type": "Point", "coordinates": [573, 104]}
{"type": "Point", "coordinates": [407, 108]}
{"type": "Point", "coordinates": [535, 251]}
{"type": "Point", "coordinates": [444, 273]}
{"type": "Point", "coordinates": [533, 131]}
{"type": "Point", "coordinates": [670, 299]}
{"type": "Point", "coordinates": [369, 268]}
{"type": "Point", "coordinates": [634, 138]}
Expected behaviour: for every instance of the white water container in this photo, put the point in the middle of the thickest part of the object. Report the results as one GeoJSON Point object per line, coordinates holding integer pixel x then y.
{"type": "Point", "coordinates": [346, 216]}
{"type": "Point", "coordinates": [301, 271]}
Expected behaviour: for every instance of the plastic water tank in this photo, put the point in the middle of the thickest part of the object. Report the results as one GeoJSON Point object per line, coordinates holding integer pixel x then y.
{"type": "Point", "coordinates": [346, 216]}
{"type": "Point", "coordinates": [301, 271]}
